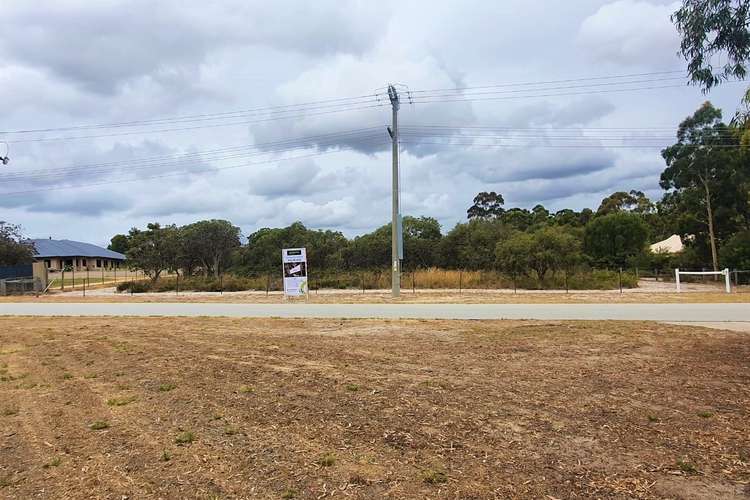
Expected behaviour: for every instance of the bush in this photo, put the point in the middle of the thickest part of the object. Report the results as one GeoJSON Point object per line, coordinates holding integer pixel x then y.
{"type": "Point", "coordinates": [432, 278]}
{"type": "Point", "coordinates": [134, 286]}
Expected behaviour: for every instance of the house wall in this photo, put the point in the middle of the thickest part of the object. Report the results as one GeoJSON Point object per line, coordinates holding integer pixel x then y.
{"type": "Point", "coordinates": [80, 263]}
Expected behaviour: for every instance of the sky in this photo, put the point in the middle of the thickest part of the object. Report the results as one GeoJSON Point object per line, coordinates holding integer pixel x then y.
{"type": "Point", "coordinates": [120, 113]}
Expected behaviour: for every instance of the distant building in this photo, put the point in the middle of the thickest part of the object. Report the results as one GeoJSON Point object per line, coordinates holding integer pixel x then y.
{"type": "Point", "coordinates": [60, 254]}
{"type": "Point", "coordinates": [673, 244]}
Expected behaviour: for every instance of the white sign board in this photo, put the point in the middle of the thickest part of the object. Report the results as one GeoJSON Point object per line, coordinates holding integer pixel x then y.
{"type": "Point", "coordinates": [294, 264]}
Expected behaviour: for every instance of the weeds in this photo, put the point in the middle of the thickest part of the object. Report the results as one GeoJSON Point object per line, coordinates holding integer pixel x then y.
{"type": "Point", "coordinates": [327, 460]}
{"type": "Point", "coordinates": [9, 412]}
{"type": "Point", "coordinates": [289, 494]}
{"type": "Point", "coordinates": [67, 376]}
{"type": "Point", "coordinates": [230, 431]}
{"type": "Point", "coordinates": [99, 425]}
{"type": "Point", "coordinates": [686, 467]}
{"type": "Point", "coordinates": [52, 463]}
{"type": "Point", "coordinates": [166, 387]}
{"type": "Point", "coordinates": [166, 456]}
{"type": "Point", "coordinates": [352, 387]}
{"type": "Point", "coordinates": [184, 438]}
{"type": "Point", "coordinates": [431, 476]}
{"type": "Point", "coordinates": [705, 414]}
{"type": "Point", "coordinates": [246, 389]}
{"type": "Point", "coordinates": [653, 418]}
{"type": "Point", "coordinates": [121, 401]}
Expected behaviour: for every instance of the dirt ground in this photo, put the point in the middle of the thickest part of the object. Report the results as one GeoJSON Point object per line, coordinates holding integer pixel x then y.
{"type": "Point", "coordinates": [655, 293]}
{"type": "Point", "coordinates": [228, 408]}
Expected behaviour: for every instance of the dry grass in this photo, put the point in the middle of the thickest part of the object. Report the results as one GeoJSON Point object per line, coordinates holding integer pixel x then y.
{"type": "Point", "coordinates": [451, 409]}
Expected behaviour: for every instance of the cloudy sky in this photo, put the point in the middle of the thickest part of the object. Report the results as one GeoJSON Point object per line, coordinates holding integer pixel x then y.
{"type": "Point", "coordinates": [118, 113]}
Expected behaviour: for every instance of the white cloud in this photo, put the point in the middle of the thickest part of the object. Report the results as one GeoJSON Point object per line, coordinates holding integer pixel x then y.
{"type": "Point", "coordinates": [633, 33]}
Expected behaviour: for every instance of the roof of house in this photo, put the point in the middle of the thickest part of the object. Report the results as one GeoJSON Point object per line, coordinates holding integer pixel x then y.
{"type": "Point", "coordinates": [45, 248]}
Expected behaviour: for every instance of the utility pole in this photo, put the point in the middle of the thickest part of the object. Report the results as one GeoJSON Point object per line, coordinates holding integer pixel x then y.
{"type": "Point", "coordinates": [395, 213]}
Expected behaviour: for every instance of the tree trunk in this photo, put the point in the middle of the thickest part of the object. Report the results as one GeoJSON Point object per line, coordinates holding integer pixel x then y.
{"type": "Point", "coordinates": [711, 230]}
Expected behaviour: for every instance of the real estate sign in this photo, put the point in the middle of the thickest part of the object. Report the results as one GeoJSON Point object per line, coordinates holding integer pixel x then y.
{"type": "Point", "coordinates": [294, 263]}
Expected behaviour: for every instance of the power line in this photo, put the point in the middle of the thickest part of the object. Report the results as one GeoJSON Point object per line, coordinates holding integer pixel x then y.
{"type": "Point", "coordinates": [215, 125]}
{"type": "Point", "coordinates": [326, 103]}
{"type": "Point", "coordinates": [308, 141]}
{"type": "Point", "coordinates": [173, 174]}
{"type": "Point", "coordinates": [543, 89]}
{"type": "Point", "coordinates": [549, 82]}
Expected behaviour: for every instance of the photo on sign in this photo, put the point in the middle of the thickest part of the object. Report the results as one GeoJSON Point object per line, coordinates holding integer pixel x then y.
{"type": "Point", "coordinates": [295, 269]}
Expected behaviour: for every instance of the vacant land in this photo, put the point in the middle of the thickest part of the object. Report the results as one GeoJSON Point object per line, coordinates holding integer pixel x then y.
{"type": "Point", "coordinates": [223, 408]}
{"type": "Point", "coordinates": [662, 295]}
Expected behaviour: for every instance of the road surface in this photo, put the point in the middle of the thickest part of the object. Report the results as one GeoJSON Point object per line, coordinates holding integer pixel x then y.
{"type": "Point", "coordinates": [653, 312]}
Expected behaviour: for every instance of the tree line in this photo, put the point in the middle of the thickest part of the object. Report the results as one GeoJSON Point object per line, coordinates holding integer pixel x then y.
{"type": "Point", "coordinates": [706, 200]}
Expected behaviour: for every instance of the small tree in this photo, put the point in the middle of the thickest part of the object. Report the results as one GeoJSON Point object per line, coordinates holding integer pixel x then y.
{"type": "Point", "coordinates": [119, 243]}
{"type": "Point", "coordinates": [154, 250]}
{"type": "Point", "coordinates": [13, 251]}
{"type": "Point", "coordinates": [211, 242]}
{"type": "Point", "coordinates": [736, 252]}
{"type": "Point", "coordinates": [613, 239]}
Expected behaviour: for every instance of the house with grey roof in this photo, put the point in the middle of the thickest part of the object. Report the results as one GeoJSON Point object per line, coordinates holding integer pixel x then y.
{"type": "Point", "coordinates": [60, 254]}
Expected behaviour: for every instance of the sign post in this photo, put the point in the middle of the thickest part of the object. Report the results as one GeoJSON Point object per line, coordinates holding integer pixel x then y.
{"type": "Point", "coordinates": [294, 264]}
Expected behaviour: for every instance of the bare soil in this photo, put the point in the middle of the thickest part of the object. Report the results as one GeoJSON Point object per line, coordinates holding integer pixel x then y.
{"type": "Point", "coordinates": [252, 408]}
{"type": "Point", "coordinates": [661, 294]}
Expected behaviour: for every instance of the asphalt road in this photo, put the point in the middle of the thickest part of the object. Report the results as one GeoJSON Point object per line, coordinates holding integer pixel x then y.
{"type": "Point", "coordinates": [653, 312]}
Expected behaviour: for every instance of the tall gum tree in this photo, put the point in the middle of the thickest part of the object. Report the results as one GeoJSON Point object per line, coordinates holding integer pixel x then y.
{"type": "Point", "coordinates": [701, 161]}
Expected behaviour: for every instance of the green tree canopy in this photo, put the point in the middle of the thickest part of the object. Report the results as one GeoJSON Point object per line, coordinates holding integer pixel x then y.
{"type": "Point", "coordinates": [735, 254]}
{"type": "Point", "coordinates": [707, 172]}
{"type": "Point", "coordinates": [211, 243]}
{"type": "Point", "coordinates": [613, 239]}
{"type": "Point", "coordinates": [154, 250]}
{"type": "Point", "coordinates": [486, 205]}
{"type": "Point", "coordinates": [714, 27]}
{"type": "Point", "coordinates": [13, 251]}
{"type": "Point", "coordinates": [119, 243]}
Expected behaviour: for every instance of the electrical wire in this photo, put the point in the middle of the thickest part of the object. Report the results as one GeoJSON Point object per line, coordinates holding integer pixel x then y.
{"type": "Point", "coordinates": [308, 141]}
{"type": "Point", "coordinates": [314, 105]}
{"type": "Point", "coordinates": [174, 174]}
{"type": "Point", "coordinates": [215, 125]}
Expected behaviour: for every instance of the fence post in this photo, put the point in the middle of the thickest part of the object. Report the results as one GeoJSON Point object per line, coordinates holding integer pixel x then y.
{"type": "Point", "coordinates": [177, 287]}
{"type": "Point", "coordinates": [460, 278]}
{"type": "Point", "coordinates": [727, 280]}
{"type": "Point", "coordinates": [221, 284]}
{"type": "Point", "coordinates": [566, 281]}
{"type": "Point", "coordinates": [413, 285]}
{"type": "Point", "coordinates": [656, 272]}
{"type": "Point", "coordinates": [515, 285]}
{"type": "Point", "coordinates": [87, 273]}
{"type": "Point", "coordinates": [84, 288]}
{"type": "Point", "coordinates": [268, 283]}
{"type": "Point", "coordinates": [677, 279]}
{"type": "Point", "coordinates": [74, 276]}
{"type": "Point", "coordinates": [62, 280]}
{"type": "Point", "coordinates": [363, 282]}
{"type": "Point", "coordinates": [620, 278]}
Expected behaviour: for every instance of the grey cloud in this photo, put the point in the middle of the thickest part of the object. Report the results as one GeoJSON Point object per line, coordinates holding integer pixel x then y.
{"type": "Point", "coordinates": [102, 45]}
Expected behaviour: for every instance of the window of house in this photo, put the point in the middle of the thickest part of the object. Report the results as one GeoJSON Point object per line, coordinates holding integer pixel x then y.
{"type": "Point", "coordinates": [48, 263]}
{"type": "Point", "coordinates": [98, 262]}
{"type": "Point", "coordinates": [69, 262]}
{"type": "Point", "coordinates": [83, 262]}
